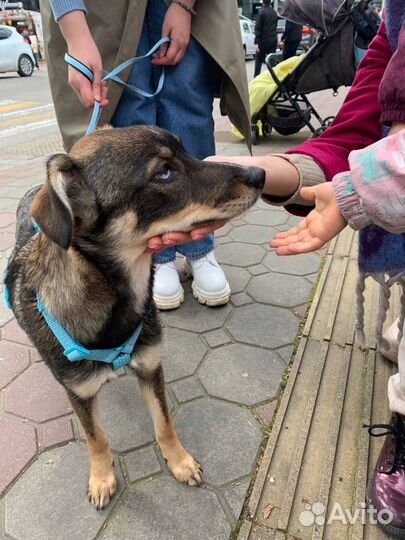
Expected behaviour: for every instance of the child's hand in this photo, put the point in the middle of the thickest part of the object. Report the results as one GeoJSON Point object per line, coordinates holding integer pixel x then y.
{"type": "Point", "coordinates": [320, 226]}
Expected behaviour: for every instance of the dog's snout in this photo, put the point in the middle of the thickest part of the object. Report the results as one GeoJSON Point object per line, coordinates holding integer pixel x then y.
{"type": "Point", "coordinates": [255, 177]}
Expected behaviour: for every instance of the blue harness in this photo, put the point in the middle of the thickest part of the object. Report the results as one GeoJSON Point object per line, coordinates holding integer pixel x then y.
{"type": "Point", "coordinates": [74, 351]}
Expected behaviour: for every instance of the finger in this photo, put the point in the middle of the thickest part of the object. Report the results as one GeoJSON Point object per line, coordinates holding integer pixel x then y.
{"type": "Point", "coordinates": [308, 193]}
{"type": "Point", "coordinates": [301, 247]}
{"type": "Point", "coordinates": [170, 55]}
{"type": "Point", "coordinates": [175, 238]}
{"type": "Point", "coordinates": [202, 232]}
{"type": "Point", "coordinates": [96, 86]}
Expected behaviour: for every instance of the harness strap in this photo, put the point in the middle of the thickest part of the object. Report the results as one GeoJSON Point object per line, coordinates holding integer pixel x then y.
{"type": "Point", "coordinates": [75, 352]}
{"type": "Point", "coordinates": [113, 76]}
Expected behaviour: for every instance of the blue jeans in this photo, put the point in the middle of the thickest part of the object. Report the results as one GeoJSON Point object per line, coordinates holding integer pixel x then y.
{"type": "Point", "coordinates": [183, 107]}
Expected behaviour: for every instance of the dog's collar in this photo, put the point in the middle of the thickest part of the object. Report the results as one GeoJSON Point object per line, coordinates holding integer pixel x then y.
{"type": "Point", "coordinates": [75, 352]}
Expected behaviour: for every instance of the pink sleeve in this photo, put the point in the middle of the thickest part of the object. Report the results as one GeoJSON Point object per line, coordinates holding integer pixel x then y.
{"type": "Point", "coordinates": [374, 189]}
{"type": "Point", "coordinates": [357, 124]}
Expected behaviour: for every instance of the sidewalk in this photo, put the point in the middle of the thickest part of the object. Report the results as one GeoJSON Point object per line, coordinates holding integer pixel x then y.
{"type": "Point", "coordinates": [227, 370]}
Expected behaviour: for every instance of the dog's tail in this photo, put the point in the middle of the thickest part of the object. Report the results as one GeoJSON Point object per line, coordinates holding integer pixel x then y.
{"type": "Point", "coordinates": [25, 224]}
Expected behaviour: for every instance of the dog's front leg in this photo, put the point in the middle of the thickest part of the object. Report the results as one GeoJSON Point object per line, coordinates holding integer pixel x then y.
{"type": "Point", "coordinates": [102, 482]}
{"type": "Point", "coordinates": [150, 375]}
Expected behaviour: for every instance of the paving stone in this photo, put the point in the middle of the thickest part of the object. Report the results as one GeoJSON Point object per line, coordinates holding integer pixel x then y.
{"type": "Point", "coordinates": [13, 332]}
{"type": "Point", "coordinates": [34, 355]}
{"type": "Point", "coordinates": [124, 415]}
{"type": "Point", "coordinates": [37, 395]}
{"type": "Point", "coordinates": [266, 412]}
{"type": "Point", "coordinates": [13, 359]}
{"type": "Point", "coordinates": [7, 240]}
{"type": "Point", "coordinates": [268, 217]}
{"type": "Point", "coordinates": [6, 219]}
{"type": "Point", "coordinates": [223, 437]}
{"type": "Point", "coordinates": [238, 278]}
{"type": "Point", "coordinates": [279, 289]}
{"type": "Point", "coordinates": [301, 311]}
{"type": "Point", "coordinates": [141, 463]}
{"type": "Point", "coordinates": [299, 265]}
{"type": "Point", "coordinates": [252, 234]}
{"type": "Point", "coordinates": [163, 509]}
{"type": "Point", "coordinates": [238, 254]}
{"type": "Point", "coordinates": [55, 432]}
{"type": "Point", "coordinates": [258, 269]}
{"type": "Point", "coordinates": [6, 314]}
{"type": "Point", "coordinates": [195, 317]}
{"type": "Point", "coordinates": [236, 497]}
{"type": "Point", "coordinates": [312, 277]}
{"type": "Point", "coordinates": [181, 354]}
{"type": "Point", "coordinates": [17, 448]}
{"type": "Point", "coordinates": [286, 353]}
{"type": "Point", "coordinates": [49, 501]}
{"type": "Point", "coordinates": [242, 374]}
{"type": "Point", "coordinates": [240, 299]}
{"type": "Point", "coordinates": [216, 338]}
{"type": "Point", "coordinates": [223, 231]}
{"type": "Point", "coordinates": [186, 389]}
{"type": "Point", "coordinates": [265, 326]}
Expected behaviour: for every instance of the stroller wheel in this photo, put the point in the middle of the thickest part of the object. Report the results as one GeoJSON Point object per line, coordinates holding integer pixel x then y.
{"type": "Point", "coordinates": [266, 128]}
{"type": "Point", "coordinates": [255, 134]}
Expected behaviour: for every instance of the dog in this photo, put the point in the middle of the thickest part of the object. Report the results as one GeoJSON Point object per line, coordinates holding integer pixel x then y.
{"type": "Point", "coordinates": [89, 269]}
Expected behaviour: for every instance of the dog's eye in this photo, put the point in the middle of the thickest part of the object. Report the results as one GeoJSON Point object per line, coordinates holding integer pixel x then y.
{"type": "Point", "coordinates": [165, 174]}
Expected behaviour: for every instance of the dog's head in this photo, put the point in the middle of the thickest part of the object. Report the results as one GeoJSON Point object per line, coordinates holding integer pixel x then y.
{"type": "Point", "coordinates": [127, 185]}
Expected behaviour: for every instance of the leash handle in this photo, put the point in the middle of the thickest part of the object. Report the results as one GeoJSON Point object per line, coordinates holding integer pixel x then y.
{"type": "Point", "coordinates": [113, 76]}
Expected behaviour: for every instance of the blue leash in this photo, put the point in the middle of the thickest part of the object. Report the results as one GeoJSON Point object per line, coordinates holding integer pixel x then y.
{"type": "Point", "coordinates": [113, 76]}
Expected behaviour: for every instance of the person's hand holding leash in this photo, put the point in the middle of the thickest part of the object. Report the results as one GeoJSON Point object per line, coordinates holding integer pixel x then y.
{"type": "Point", "coordinates": [320, 226]}
{"type": "Point", "coordinates": [81, 46]}
{"type": "Point", "coordinates": [176, 26]}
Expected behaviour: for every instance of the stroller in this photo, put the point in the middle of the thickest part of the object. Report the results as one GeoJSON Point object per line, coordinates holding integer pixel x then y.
{"type": "Point", "coordinates": [329, 63]}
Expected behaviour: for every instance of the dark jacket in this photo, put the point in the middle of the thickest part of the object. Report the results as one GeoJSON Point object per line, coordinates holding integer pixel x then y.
{"type": "Point", "coordinates": [266, 28]}
{"type": "Point", "coordinates": [366, 24]}
{"type": "Point", "coordinates": [292, 32]}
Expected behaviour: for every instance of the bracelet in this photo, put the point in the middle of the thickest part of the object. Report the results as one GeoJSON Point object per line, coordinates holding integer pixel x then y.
{"type": "Point", "coordinates": [185, 6]}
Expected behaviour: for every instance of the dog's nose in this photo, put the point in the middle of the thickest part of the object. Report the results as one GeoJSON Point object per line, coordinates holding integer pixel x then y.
{"type": "Point", "coordinates": [256, 177]}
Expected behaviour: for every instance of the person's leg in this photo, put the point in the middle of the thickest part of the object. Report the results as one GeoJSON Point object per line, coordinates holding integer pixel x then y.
{"type": "Point", "coordinates": [190, 117]}
{"type": "Point", "coordinates": [258, 63]}
{"type": "Point", "coordinates": [387, 486]}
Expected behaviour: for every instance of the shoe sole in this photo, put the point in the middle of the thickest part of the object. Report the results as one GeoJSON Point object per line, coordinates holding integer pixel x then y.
{"type": "Point", "coordinates": [165, 303]}
{"type": "Point", "coordinates": [386, 527]}
{"type": "Point", "coordinates": [215, 299]}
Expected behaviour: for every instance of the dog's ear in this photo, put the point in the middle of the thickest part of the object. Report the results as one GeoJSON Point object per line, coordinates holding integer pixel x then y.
{"type": "Point", "coordinates": [51, 207]}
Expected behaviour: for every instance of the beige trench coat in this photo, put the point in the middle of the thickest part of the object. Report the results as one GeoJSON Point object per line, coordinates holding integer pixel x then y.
{"type": "Point", "coordinates": [117, 33]}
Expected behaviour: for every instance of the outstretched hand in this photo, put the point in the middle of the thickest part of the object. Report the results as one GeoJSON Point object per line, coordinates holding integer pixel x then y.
{"type": "Point", "coordinates": [320, 226]}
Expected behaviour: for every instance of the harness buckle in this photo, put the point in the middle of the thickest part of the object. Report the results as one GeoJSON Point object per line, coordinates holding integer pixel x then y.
{"type": "Point", "coordinates": [75, 353]}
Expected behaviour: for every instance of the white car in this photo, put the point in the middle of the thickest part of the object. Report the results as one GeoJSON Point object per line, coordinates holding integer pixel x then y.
{"type": "Point", "coordinates": [15, 54]}
{"type": "Point", "coordinates": [247, 28]}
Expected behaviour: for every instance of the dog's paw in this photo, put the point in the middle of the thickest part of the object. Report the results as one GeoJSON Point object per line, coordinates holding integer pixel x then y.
{"type": "Point", "coordinates": [186, 470]}
{"type": "Point", "coordinates": [101, 489]}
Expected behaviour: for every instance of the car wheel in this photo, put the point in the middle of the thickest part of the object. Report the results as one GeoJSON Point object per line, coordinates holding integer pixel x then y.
{"type": "Point", "coordinates": [25, 66]}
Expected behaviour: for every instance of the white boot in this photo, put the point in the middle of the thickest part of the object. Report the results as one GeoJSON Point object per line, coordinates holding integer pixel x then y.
{"type": "Point", "coordinates": [391, 335]}
{"type": "Point", "coordinates": [167, 290]}
{"type": "Point", "coordinates": [209, 284]}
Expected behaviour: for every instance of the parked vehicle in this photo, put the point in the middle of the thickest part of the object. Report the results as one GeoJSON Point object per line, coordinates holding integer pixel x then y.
{"type": "Point", "coordinates": [247, 29]}
{"type": "Point", "coordinates": [15, 54]}
{"type": "Point", "coordinates": [308, 35]}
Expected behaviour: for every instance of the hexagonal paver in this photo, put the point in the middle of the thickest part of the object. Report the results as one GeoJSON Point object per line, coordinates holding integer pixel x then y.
{"type": "Point", "coordinates": [253, 234]}
{"type": "Point", "coordinates": [124, 415]}
{"type": "Point", "coordinates": [13, 332]}
{"type": "Point", "coordinates": [17, 448]}
{"type": "Point", "coordinates": [299, 265]}
{"type": "Point", "coordinates": [186, 389]}
{"type": "Point", "coordinates": [181, 354]}
{"type": "Point", "coordinates": [13, 359]}
{"type": "Point", "coordinates": [238, 254]}
{"type": "Point", "coordinates": [142, 463]}
{"type": "Point", "coordinates": [269, 217]}
{"type": "Point", "coordinates": [236, 497]}
{"type": "Point", "coordinates": [164, 509]}
{"type": "Point", "coordinates": [280, 289]}
{"type": "Point", "coordinates": [195, 317]}
{"type": "Point", "coordinates": [223, 437]}
{"type": "Point", "coordinates": [238, 278]}
{"type": "Point", "coordinates": [37, 395]}
{"type": "Point", "coordinates": [242, 374]}
{"type": "Point", "coordinates": [265, 326]}
{"type": "Point", "coordinates": [55, 432]}
{"type": "Point", "coordinates": [50, 501]}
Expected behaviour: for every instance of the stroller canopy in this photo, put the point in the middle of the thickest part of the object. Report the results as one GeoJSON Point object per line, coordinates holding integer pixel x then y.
{"type": "Point", "coordinates": [327, 16]}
